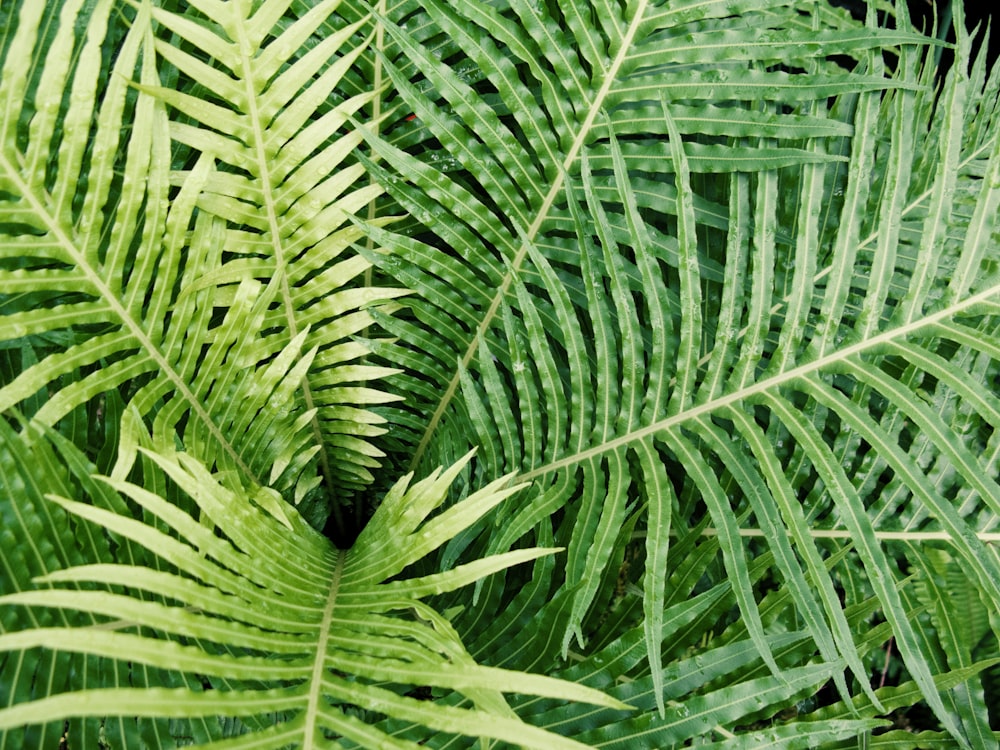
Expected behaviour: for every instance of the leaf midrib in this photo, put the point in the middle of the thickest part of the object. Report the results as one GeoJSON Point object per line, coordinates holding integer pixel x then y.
{"type": "Point", "coordinates": [280, 255]}
{"type": "Point", "coordinates": [771, 383]}
{"type": "Point", "coordinates": [312, 712]}
{"type": "Point", "coordinates": [529, 237]}
{"type": "Point", "coordinates": [134, 327]}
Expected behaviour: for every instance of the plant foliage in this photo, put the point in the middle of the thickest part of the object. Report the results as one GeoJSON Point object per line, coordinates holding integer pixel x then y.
{"type": "Point", "coordinates": [696, 303]}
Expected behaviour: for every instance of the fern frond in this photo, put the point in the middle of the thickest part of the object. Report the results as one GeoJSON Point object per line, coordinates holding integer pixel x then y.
{"type": "Point", "coordinates": [716, 279]}
{"type": "Point", "coordinates": [102, 257]}
{"type": "Point", "coordinates": [319, 637]}
{"type": "Point", "coordinates": [285, 185]}
{"type": "Point", "coordinates": [38, 539]}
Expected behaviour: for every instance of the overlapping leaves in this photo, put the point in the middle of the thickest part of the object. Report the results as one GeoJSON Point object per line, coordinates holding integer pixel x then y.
{"type": "Point", "coordinates": [126, 279]}
{"type": "Point", "coordinates": [285, 185]}
{"type": "Point", "coordinates": [782, 325]}
{"type": "Point", "coordinates": [719, 278]}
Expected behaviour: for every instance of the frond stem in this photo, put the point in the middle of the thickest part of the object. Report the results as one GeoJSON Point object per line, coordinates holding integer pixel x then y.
{"type": "Point", "coordinates": [770, 383]}
{"type": "Point", "coordinates": [899, 536]}
{"type": "Point", "coordinates": [312, 712]}
{"type": "Point", "coordinates": [376, 120]}
{"type": "Point", "coordinates": [610, 74]}
{"type": "Point", "coordinates": [378, 76]}
{"type": "Point", "coordinates": [281, 260]}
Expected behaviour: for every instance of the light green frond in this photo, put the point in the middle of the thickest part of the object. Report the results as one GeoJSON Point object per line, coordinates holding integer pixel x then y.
{"type": "Point", "coordinates": [709, 286]}
{"type": "Point", "coordinates": [321, 636]}
{"type": "Point", "coordinates": [103, 259]}
{"type": "Point", "coordinates": [285, 184]}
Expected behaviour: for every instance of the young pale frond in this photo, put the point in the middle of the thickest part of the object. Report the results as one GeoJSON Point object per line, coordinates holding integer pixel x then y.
{"type": "Point", "coordinates": [266, 612]}
{"type": "Point", "coordinates": [772, 329]}
{"type": "Point", "coordinates": [266, 106]}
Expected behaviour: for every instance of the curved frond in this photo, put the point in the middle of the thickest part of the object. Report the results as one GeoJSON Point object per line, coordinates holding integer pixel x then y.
{"type": "Point", "coordinates": [97, 245]}
{"type": "Point", "coordinates": [123, 272]}
{"type": "Point", "coordinates": [716, 280]}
